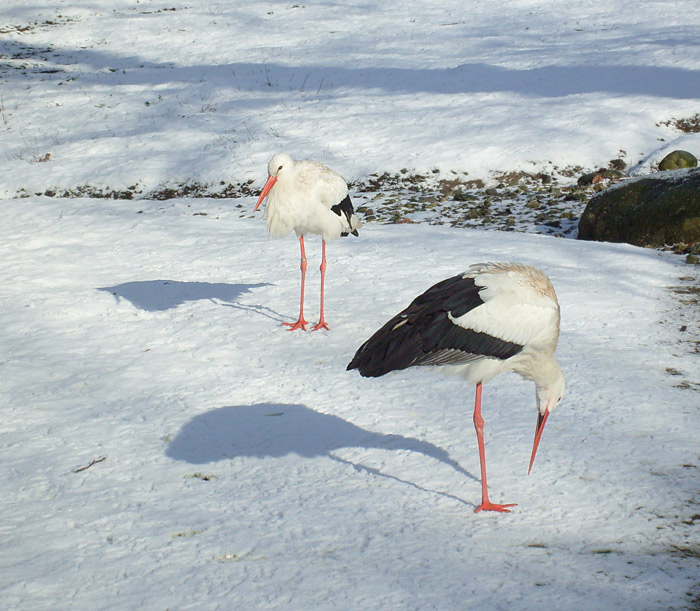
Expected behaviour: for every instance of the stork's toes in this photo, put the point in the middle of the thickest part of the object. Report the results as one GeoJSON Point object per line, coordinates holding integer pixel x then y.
{"type": "Point", "coordinates": [299, 324]}
{"type": "Point", "coordinates": [488, 506]}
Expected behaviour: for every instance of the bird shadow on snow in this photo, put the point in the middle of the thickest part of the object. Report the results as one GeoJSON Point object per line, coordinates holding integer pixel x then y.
{"type": "Point", "coordinates": [160, 295]}
{"type": "Point", "coordinates": [276, 430]}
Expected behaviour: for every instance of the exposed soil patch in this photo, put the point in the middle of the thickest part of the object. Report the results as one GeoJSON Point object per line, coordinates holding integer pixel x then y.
{"type": "Point", "coordinates": [35, 25]}
{"type": "Point", "coordinates": [520, 201]}
{"type": "Point", "coordinates": [190, 189]}
{"type": "Point", "coordinates": [688, 125]}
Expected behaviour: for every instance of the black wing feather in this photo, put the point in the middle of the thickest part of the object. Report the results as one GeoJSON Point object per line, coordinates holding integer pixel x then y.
{"type": "Point", "coordinates": [423, 333]}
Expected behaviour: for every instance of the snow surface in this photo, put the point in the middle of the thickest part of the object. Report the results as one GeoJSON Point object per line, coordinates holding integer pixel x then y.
{"type": "Point", "coordinates": [166, 443]}
{"type": "Point", "coordinates": [140, 93]}
{"type": "Point", "coordinates": [245, 468]}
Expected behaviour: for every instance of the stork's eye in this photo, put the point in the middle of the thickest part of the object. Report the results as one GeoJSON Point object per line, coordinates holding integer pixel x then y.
{"type": "Point", "coordinates": [278, 169]}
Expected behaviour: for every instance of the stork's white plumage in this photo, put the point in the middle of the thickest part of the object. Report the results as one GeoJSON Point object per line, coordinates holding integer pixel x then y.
{"type": "Point", "coordinates": [307, 197]}
{"type": "Point", "coordinates": [494, 318]}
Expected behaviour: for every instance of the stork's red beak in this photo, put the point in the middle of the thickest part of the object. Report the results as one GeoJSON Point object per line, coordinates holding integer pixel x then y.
{"type": "Point", "coordinates": [271, 180]}
{"type": "Point", "coordinates": [541, 420]}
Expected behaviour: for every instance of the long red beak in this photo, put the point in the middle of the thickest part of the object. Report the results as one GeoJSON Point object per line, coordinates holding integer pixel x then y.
{"type": "Point", "coordinates": [271, 180]}
{"type": "Point", "coordinates": [541, 420]}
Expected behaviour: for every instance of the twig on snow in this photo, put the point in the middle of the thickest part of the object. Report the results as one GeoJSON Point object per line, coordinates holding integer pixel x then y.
{"type": "Point", "coordinates": [92, 462]}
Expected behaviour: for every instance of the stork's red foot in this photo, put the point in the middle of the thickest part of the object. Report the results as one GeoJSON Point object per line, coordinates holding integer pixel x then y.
{"type": "Point", "coordinates": [489, 506]}
{"type": "Point", "coordinates": [299, 324]}
{"type": "Point", "coordinates": [322, 324]}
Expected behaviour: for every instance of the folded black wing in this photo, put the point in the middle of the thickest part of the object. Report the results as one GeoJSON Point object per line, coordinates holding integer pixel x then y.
{"type": "Point", "coordinates": [424, 334]}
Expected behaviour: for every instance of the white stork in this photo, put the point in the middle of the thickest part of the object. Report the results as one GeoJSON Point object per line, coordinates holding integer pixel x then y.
{"type": "Point", "coordinates": [495, 317]}
{"type": "Point", "coordinates": [307, 197]}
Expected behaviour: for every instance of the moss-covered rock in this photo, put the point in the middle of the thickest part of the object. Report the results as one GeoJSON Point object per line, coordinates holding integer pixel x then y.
{"type": "Point", "coordinates": [653, 211]}
{"type": "Point", "coordinates": [678, 160]}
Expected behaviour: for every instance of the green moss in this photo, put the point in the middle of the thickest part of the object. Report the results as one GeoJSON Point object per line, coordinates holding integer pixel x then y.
{"type": "Point", "coordinates": [691, 229]}
{"type": "Point", "coordinates": [678, 160]}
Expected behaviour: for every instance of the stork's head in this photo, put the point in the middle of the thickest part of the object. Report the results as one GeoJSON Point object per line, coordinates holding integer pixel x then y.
{"type": "Point", "coordinates": [549, 395]}
{"type": "Point", "coordinates": [279, 165]}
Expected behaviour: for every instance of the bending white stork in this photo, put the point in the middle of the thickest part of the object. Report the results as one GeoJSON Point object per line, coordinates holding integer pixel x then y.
{"type": "Point", "coordinates": [307, 197]}
{"type": "Point", "coordinates": [495, 317]}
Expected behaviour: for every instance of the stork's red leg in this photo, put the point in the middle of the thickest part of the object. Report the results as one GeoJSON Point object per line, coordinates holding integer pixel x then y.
{"type": "Point", "coordinates": [322, 324]}
{"type": "Point", "coordinates": [301, 323]}
{"type": "Point", "coordinates": [486, 505]}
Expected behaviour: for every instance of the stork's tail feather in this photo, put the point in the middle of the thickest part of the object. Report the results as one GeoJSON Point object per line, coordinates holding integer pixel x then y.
{"type": "Point", "coordinates": [355, 224]}
{"type": "Point", "coordinates": [347, 213]}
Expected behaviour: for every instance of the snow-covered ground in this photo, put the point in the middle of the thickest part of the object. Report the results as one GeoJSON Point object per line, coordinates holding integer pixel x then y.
{"type": "Point", "coordinates": [245, 468]}
{"type": "Point", "coordinates": [140, 93]}
{"type": "Point", "coordinates": [165, 443]}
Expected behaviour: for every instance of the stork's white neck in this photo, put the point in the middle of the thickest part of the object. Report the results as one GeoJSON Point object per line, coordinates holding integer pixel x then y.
{"type": "Point", "coordinates": [540, 367]}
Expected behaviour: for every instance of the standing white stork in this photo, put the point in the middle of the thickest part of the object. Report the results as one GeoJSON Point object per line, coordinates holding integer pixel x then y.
{"type": "Point", "coordinates": [495, 317]}
{"type": "Point", "coordinates": [307, 197]}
